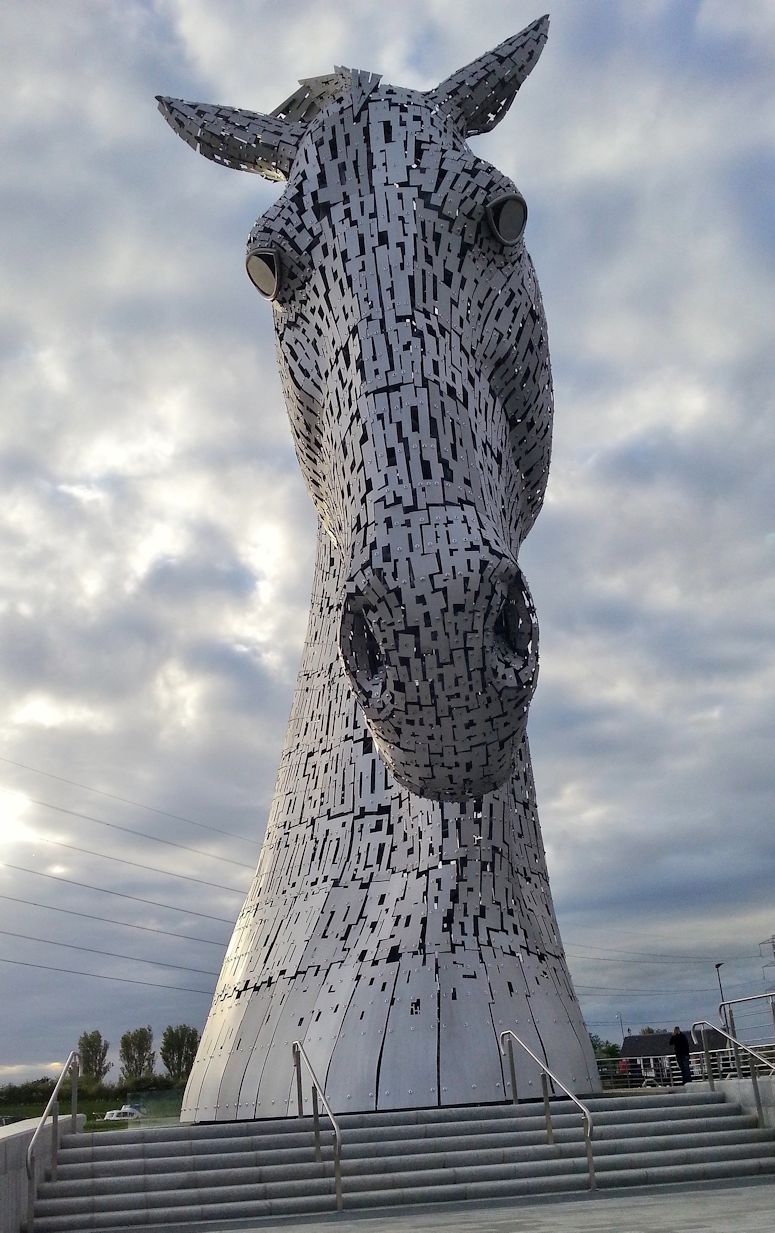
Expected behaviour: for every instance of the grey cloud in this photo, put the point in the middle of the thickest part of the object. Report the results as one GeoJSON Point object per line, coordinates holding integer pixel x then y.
{"type": "Point", "coordinates": [157, 539]}
{"type": "Point", "coordinates": [246, 683]}
{"type": "Point", "coordinates": [175, 579]}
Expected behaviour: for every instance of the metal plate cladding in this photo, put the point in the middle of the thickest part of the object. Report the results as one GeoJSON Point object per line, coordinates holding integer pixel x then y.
{"type": "Point", "coordinates": [468, 1064]}
{"type": "Point", "coordinates": [400, 915]}
{"type": "Point", "coordinates": [229, 1067]}
{"type": "Point", "coordinates": [257, 1098]}
{"type": "Point", "coordinates": [277, 1085]}
{"type": "Point", "coordinates": [322, 1028]}
{"type": "Point", "coordinates": [353, 1070]}
{"type": "Point", "coordinates": [408, 1067]}
{"type": "Point", "coordinates": [229, 1059]}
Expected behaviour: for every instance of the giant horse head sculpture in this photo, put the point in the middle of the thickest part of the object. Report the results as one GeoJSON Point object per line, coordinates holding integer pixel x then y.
{"type": "Point", "coordinates": [413, 353]}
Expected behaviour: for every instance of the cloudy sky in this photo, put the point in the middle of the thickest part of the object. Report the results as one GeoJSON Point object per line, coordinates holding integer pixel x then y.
{"type": "Point", "coordinates": [157, 539]}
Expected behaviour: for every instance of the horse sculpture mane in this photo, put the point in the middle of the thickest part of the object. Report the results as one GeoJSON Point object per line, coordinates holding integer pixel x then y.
{"type": "Point", "coordinates": [400, 916]}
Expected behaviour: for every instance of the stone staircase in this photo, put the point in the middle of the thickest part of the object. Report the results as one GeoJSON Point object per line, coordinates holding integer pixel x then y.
{"type": "Point", "coordinates": [180, 1176]}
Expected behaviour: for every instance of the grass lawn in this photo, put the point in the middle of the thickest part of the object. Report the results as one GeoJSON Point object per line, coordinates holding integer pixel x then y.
{"type": "Point", "coordinates": [164, 1104]}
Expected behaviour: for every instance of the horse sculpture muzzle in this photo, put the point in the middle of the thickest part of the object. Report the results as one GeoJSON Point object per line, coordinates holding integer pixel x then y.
{"type": "Point", "coordinates": [444, 676]}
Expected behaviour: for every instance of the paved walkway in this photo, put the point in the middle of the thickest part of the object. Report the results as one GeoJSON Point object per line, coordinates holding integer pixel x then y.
{"type": "Point", "coordinates": [743, 1208]}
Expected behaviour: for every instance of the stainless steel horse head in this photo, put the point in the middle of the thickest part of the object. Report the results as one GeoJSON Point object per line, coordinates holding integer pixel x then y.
{"type": "Point", "coordinates": [412, 347]}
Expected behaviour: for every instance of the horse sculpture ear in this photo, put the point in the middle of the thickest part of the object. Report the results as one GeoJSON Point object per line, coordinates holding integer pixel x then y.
{"type": "Point", "coordinates": [243, 140]}
{"type": "Point", "coordinates": [480, 94]}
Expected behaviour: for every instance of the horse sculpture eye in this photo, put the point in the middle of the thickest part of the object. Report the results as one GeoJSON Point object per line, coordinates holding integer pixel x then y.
{"type": "Point", "coordinates": [507, 217]}
{"type": "Point", "coordinates": [263, 267]}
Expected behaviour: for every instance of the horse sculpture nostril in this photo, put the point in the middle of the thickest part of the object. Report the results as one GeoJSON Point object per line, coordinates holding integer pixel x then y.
{"type": "Point", "coordinates": [362, 653]}
{"type": "Point", "coordinates": [512, 627]}
{"type": "Point", "coordinates": [516, 634]}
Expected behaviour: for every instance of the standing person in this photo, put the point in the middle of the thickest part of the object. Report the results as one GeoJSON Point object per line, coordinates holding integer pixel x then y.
{"type": "Point", "coordinates": [681, 1050]}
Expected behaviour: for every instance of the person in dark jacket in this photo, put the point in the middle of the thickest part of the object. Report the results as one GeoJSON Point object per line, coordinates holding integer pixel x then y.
{"type": "Point", "coordinates": [681, 1050]}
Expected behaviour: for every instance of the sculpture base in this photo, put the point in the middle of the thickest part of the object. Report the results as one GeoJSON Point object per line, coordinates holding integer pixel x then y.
{"type": "Point", "coordinates": [420, 1032]}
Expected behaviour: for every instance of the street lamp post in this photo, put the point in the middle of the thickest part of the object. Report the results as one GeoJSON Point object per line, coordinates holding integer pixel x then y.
{"type": "Point", "coordinates": [718, 978]}
{"type": "Point", "coordinates": [718, 966]}
{"type": "Point", "coordinates": [729, 1018]}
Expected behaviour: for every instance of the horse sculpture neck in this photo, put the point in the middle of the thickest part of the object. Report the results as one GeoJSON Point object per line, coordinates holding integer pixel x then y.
{"type": "Point", "coordinates": [395, 935]}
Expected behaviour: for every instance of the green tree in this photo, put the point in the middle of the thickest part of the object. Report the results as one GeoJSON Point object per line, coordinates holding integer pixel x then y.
{"type": "Point", "coordinates": [94, 1052]}
{"type": "Point", "coordinates": [650, 1031]}
{"type": "Point", "coordinates": [604, 1048]}
{"type": "Point", "coordinates": [34, 1091]}
{"type": "Point", "coordinates": [178, 1050]}
{"type": "Point", "coordinates": [136, 1054]}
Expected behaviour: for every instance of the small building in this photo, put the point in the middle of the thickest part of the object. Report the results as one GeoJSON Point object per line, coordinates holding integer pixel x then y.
{"type": "Point", "coordinates": [651, 1054]}
{"type": "Point", "coordinates": [657, 1044]}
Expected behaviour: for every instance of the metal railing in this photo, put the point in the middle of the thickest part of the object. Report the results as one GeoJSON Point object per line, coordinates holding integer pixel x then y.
{"type": "Point", "coordinates": [72, 1068]}
{"type": "Point", "coordinates": [728, 1015]}
{"type": "Point", "coordinates": [547, 1074]}
{"type": "Point", "coordinates": [647, 1070]}
{"type": "Point", "coordinates": [703, 1024]}
{"type": "Point", "coordinates": [300, 1056]}
{"type": "Point", "coordinates": [629, 1073]}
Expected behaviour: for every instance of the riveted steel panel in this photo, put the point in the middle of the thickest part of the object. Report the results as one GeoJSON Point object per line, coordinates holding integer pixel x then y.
{"type": "Point", "coordinates": [352, 1073]}
{"type": "Point", "coordinates": [469, 1060]}
{"type": "Point", "coordinates": [408, 1069]}
{"type": "Point", "coordinates": [276, 1090]}
{"type": "Point", "coordinates": [260, 1022]}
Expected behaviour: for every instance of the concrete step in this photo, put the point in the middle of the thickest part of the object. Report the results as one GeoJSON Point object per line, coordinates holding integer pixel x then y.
{"type": "Point", "coordinates": [403, 1173]}
{"type": "Point", "coordinates": [112, 1166]}
{"type": "Point", "coordinates": [184, 1176]}
{"type": "Point", "coordinates": [176, 1172]}
{"type": "Point", "coordinates": [657, 1174]}
{"type": "Point", "coordinates": [458, 1115]}
{"type": "Point", "coordinates": [294, 1133]}
{"type": "Point", "coordinates": [195, 1214]}
{"type": "Point", "coordinates": [189, 1217]}
{"type": "Point", "coordinates": [605, 1155]}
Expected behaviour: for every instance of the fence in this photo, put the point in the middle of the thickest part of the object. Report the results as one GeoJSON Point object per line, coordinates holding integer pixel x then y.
{"type": "Point", "coordinates": [638, 1072]}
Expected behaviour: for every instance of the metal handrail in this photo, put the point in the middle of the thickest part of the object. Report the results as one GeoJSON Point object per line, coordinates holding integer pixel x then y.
{"type": "Point", "coordinates": [317, 1091]}
{"type": "Point", "coordinates": [545, 1071]}
{"type": "Point", "coordinates": [639, 1070]}
{"type": "Point", "coordinates": [71, 1067]}
{"type": "Point", "coordinates": [730, 1002]}
{"type": "Point", "coordinates": [737, 1045]}
{"type": "Point", "coordinates": [726, 1013]}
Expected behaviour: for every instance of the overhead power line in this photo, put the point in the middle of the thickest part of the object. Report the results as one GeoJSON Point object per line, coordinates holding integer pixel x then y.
{"type": "Point", "coordinates": [164, 813]}
{"type": "Point", "coordinates": [154, 903]}
{"type": "Point", "coordinates": [109, 953]}
{"type": "Point", "coordinates": [753, 1012]}
{"type": "Point", "coordinates": [651, 958]}
{"type": "Point", "coordinates": [128, 830]}
{"type": "Point", "coordinates": [106, 920]}
{"type": "Point", "coordinates": [59, 843]}
{"type": "Point", "coordinates": [646, 954]}
{"type": "Point", "coordinates": [124, 980]}
{"type": "Point", "coordinates": [649, 992]}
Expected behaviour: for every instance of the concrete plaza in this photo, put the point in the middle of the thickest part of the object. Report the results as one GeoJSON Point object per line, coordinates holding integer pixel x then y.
{"type": "Point", "coordinates": [747, 1207]}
